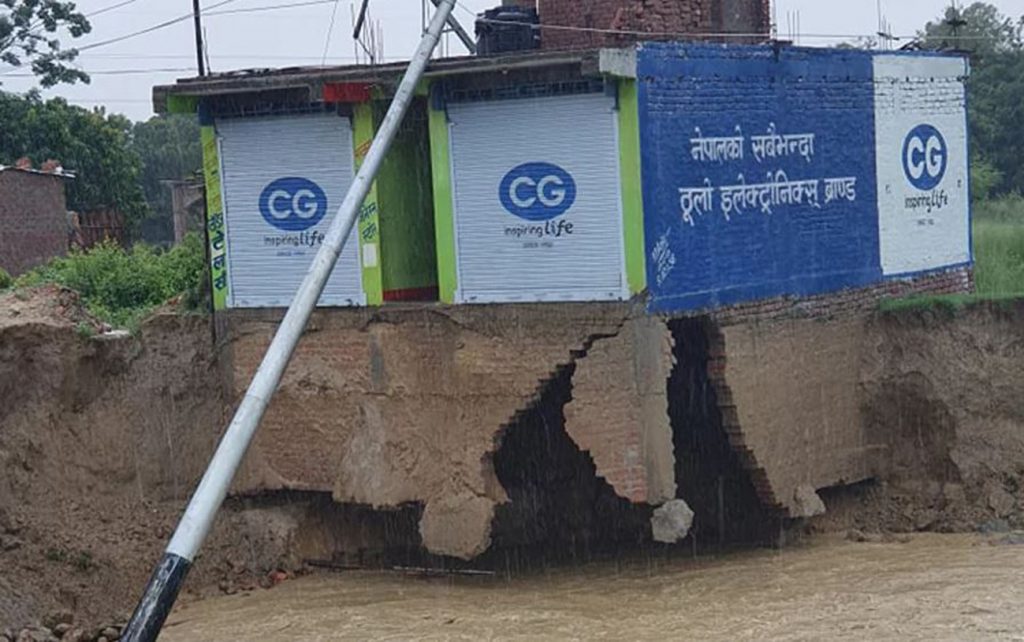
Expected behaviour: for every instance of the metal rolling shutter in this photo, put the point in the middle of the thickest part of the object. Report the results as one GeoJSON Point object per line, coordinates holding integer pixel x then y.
{"type": "Point", "coordinates": [267, 264]}
{"type": "Point", "coordinates": [577, 133]}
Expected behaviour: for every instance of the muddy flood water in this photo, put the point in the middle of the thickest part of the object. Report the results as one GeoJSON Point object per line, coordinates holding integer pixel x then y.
{"type": "Point", "coordinates": [935, 587]}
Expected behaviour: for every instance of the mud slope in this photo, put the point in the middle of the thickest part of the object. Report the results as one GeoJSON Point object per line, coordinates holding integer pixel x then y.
{"type": "Point", "coordinates": [941, 389]}
{"type": "Point", "coordinates": [100, 439]}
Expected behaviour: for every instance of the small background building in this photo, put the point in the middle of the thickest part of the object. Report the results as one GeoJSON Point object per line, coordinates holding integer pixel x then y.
{"type": "Point", "coordinates": [33, 216]}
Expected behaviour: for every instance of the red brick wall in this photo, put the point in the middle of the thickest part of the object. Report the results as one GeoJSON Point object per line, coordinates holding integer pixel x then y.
{"type": "Point", "coordinates": [853, 301]}
{"type": "Point", "coordinates": [33, 225]}
{"type": "Point", "coordinates": [657, 17]}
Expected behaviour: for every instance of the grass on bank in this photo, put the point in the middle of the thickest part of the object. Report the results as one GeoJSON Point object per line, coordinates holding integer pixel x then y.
{"type": "Point", "coordinates": [121, 287]}
{"type": "Point", "coordinates": [998, 233]}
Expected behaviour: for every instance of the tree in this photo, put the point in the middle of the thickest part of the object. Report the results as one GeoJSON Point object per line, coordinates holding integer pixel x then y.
{"type": "Point", "coordinates": [26, 36]}
{"type": "Point", "coordinates": [995, 89]}
{"type": "Point", "coordinates": [983, 32]}
{"type": "Point", "coordinates": [93, 145]}
{"type": "Point", "coordinates": [169, 149]}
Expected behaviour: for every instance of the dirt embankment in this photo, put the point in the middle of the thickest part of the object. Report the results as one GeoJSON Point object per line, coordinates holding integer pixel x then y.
{"type": "Point", "coordinates": [941, 389]}
{"type": "Point", "coordinates": [101, 438]}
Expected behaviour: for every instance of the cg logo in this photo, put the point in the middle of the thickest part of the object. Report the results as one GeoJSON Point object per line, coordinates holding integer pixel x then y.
{"type": "Point", "coordinates": [293, 204]}
{"type": "Point", "coordinates": [537, 191]}
{"type": "Point", "coordinates": [925, 157]}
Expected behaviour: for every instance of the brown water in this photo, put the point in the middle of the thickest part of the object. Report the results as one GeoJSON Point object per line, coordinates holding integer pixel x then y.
{"type": "Point", "coordinates": [935, 587]}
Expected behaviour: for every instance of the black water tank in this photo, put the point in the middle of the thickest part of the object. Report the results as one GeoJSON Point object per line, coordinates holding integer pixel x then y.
{"type": "Point", "coordinates": [506, 29]}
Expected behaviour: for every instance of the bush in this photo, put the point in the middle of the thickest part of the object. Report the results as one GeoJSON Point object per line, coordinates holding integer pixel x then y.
{"type": "Point", "coordinates": [999, 258]}
{"type": "Point", "coordinates": [1006, 209]}
{"type": "Point", "coordinates": [999, 246]}
{"type": "Point", "coordinates": [5, 279]}
{"type": "Point", "coordinates": [120, 287]}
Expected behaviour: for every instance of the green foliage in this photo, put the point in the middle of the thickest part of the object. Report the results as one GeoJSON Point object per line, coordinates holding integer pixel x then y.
{"type": "Point", "coordinates": [987, 32]}
{"type": "Point", "coordinates": [93, 145]}
{"type": "Point", "coordinates": [996, 94]}
{"type": "Point", "coordinates": [999, 258]}
{"type": "Point", "coordinates": [84, 330]}
{"type": "Point", "coordinates": [995, 89]}
{"type": "Point", "coordinates": [1005, 209]}
{"type": "Point", "coordinates": [120, 287]}
{"type": "Point", "coordinates": [5, 279]}
{"type": "Point", "coordinates": [169, 149]}
{"type": "Point", "coordinates": [26, 37]}
{"type": "Point", "coordinates": [985, 178]}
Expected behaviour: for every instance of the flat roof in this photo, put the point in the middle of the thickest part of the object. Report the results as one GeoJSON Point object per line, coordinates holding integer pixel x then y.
{"type": "Point", "coordinates": [60, 172]}
{"type": "Point", "coordinates": [312, 79]}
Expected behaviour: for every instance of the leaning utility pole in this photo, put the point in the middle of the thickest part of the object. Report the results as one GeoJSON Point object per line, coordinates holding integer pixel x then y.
{"type": "Point", "coordinates": [165, 583]}
{"type": "Point", "coordinates": [199, 37]}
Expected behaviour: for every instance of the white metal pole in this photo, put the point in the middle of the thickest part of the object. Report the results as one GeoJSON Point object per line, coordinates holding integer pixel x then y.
{"type": "Point", "coordinates": [195, 524]}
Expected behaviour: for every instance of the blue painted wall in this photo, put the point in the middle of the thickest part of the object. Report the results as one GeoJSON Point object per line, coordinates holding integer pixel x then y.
{"type": "Point", "coordinates": [806, 221]}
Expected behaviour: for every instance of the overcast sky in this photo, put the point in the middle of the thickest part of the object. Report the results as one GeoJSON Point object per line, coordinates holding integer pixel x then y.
{"type": "Point", "coordinates": [124, 72]}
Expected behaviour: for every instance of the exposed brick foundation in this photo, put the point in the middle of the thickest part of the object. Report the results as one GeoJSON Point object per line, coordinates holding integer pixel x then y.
{"type": "Point", "coordinates": [407, 404]}
{"type": "Point", "coordinates": [618, 412]}
{"type": "Point", "coordinates": [787, 384]}
{"type": "Point", "coordinates": [848, 302]}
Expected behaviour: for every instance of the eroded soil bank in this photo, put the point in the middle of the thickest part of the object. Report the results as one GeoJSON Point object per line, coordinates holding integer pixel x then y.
{"type": "Point", "coordinates": [103, 437]}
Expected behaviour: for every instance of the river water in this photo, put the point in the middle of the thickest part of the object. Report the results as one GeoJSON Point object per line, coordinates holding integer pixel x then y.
{"type": "Point", "coordinates": [935, 587]}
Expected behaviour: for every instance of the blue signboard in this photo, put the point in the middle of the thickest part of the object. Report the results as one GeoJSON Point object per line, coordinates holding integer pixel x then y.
{"type": "Point", "coordinates": [758, 173]}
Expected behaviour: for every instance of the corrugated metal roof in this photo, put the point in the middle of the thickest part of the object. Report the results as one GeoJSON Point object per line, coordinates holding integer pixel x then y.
{"type": "Point", "coordinates": [60, 172]}
{"type": "Point", "coordinates": [312, 79]}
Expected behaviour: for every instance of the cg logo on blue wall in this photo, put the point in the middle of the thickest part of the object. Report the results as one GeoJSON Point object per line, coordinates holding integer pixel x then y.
{"type": "Point", "coordinates": [925, 157]}
{"type": "Point", "coordinates": [293, 204]}
{"type": "Point", "coordinates": [537, 191]}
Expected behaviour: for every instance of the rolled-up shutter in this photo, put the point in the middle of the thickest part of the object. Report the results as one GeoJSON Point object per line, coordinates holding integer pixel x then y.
{"type": "Point", "coordinates": [575, 256]}
{"type": "Point", "coordinates": [268, 258]}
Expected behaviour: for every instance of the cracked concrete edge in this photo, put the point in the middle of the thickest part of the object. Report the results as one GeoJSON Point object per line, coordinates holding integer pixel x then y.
{"type": "Point", "coordinates": [631, 442]}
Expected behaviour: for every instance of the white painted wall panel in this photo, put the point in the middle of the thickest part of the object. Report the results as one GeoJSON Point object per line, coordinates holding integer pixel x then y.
{"type": "Point", "coordinates": [924, 210]}
{"type": "Point", "coordinates": [266, 263]}
{"type": "Point", "coordinates": [577, 255]}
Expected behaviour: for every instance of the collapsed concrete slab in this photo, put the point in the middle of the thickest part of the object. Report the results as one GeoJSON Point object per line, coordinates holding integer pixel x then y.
{"type": "Point", "coordinates": [619, 411]}
{"type": "Point", "coordinates": [789, 394]}
{"type": "Point", "coordinates": [386, 408]}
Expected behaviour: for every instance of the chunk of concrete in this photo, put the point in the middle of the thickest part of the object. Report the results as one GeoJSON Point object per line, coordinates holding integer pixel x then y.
{"type": "Point", "coordinates": [671, 521]}
{"type": "Point", "coordinates": [1000, 501]}
{"type": "Point", "coordinates": [807, 502]}
{"type": "Point", "coordinates": [457, 525]}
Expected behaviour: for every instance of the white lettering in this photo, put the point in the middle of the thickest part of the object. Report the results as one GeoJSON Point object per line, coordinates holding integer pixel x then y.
{"type": "Point", "coordinates": [557, 196]}
{"type": "Point", "coordinates": [513, 192]}
{"type": "Point", "coordinates": [304, 203]}
{"type": "Point", "coordinates": [933, 156]}
{"type": "Point", "coordinates": [275, 196]}
{"type": "Point", "coordinates": [915, 148]}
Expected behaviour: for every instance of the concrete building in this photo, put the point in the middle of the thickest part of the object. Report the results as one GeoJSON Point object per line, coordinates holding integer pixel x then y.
{"type": "Point", "coordinates": [652, 237]}
{"type": "Point", "coordinates": [33, 217]}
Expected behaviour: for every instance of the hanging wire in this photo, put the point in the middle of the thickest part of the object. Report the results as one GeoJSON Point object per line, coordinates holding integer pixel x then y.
{"type": "Point", "coordinates": [330, 30]}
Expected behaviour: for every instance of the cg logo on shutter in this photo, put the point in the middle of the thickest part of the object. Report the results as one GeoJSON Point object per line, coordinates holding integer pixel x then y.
{"type": "Point", "coordinates": [293, 204]}
{"type": "Point", "coordinates": [925, 157]}
{"type": "Point", "coordinates": [537, 191]}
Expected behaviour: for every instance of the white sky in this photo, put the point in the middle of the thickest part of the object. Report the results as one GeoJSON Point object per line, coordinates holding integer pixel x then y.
{"type": "Point", "coordinates": [297, 36]}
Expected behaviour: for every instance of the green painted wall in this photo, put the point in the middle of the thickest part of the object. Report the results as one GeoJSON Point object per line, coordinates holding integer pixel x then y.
{"type": "Point", "coordinates": [363, 129]}
{"type": "Point", "coordinates": [406, 202]}
{"type": "Point", "coordinates": [444, 218]}
{"type": "Point", "coordinates": [215, 217]}
{"type": "Point", "coordinates": [632, 193]}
